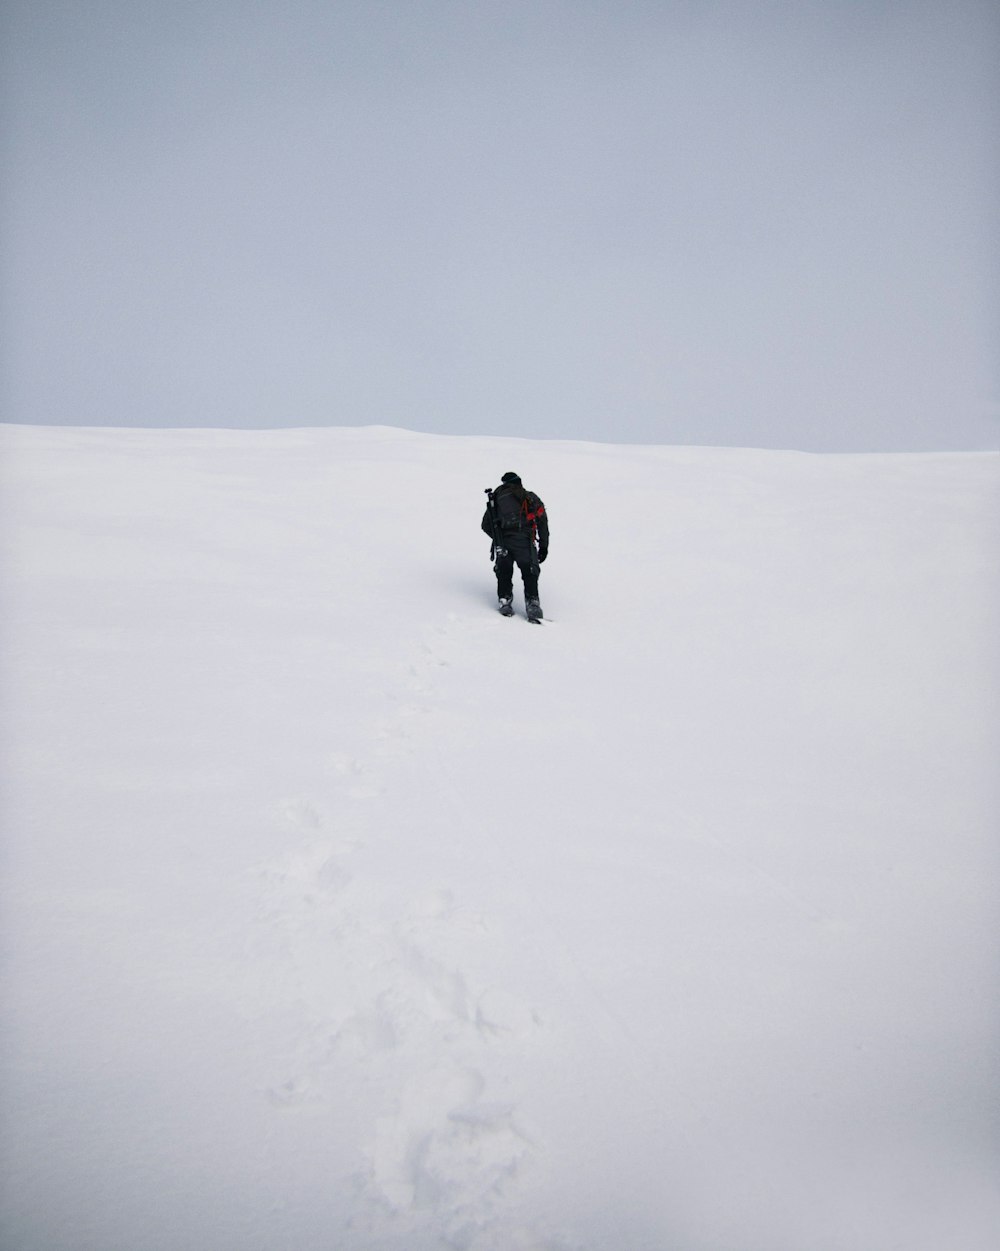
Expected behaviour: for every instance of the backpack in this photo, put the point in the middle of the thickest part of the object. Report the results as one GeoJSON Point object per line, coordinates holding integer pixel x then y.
{"type": "Point", "coordinates": [517, 511]}
{"type": "Point", "coordinates": [512, 509]}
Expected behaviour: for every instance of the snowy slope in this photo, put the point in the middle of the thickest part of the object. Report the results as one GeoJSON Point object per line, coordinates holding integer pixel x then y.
{"type": "Point", "coordinates": [340, 913]}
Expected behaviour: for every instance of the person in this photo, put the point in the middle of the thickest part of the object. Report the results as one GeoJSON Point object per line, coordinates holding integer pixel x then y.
{"type": "Point", "coordinates": [520, 521]}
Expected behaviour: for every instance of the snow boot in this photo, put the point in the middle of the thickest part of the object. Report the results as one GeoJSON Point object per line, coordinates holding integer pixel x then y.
{"type": "Point", "coordinates": [506, 608]}
{"type": "Point", "coordinates": [533, 609]}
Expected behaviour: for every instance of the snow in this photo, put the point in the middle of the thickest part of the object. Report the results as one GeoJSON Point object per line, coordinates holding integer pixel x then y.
{"type": "Point", "coordinates": [340, 913]}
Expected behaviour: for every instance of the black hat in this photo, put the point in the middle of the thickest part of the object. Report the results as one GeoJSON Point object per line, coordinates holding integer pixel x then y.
{"type": "Point", "coordinates": [511, 478]}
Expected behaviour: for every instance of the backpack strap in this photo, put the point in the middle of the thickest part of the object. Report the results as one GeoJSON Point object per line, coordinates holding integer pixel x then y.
{"type": "Point", "coordinates": [532, 513]}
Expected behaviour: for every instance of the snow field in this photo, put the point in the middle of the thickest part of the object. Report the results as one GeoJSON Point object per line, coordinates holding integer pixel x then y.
{"type": "Point", "coordinates": [339, 912]}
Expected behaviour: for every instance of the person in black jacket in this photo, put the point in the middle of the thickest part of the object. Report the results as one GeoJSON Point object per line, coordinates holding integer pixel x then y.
{"type": "Point", "coordinates": [521, 520]}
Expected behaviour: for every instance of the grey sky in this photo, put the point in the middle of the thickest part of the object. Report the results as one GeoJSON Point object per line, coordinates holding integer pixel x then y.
{"type": "Point", "coordinates": [760, 224]}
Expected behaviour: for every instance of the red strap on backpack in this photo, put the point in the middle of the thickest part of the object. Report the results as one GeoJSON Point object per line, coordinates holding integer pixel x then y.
{"type": "Point", "coordinates": [531, 516]}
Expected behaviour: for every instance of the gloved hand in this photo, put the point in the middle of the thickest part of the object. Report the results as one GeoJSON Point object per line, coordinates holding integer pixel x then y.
{"type": "Point", "coordinates": [542, 553]}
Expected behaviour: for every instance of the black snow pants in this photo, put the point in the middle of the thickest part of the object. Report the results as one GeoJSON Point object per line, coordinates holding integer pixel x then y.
{"type": "Point", "coordinates": [520, 548]}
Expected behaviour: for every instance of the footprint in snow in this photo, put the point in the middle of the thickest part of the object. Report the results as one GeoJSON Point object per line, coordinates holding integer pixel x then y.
{"type": "Point", "coordinates": [302, 814]}
{"type": "Point", "coordinates": [357, 779]}
{"type": "Point", "coordinates": [500, 1014]}
{"type": "Point", "coordinates": [446, 1149]}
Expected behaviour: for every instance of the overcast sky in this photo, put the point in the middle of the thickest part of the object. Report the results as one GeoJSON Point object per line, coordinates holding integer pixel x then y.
{"type": "Point", "coordinates": [767, 224]}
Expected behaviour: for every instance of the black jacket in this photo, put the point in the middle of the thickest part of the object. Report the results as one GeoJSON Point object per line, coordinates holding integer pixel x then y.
{"type": "Point", "coordinates": [525, 512]}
